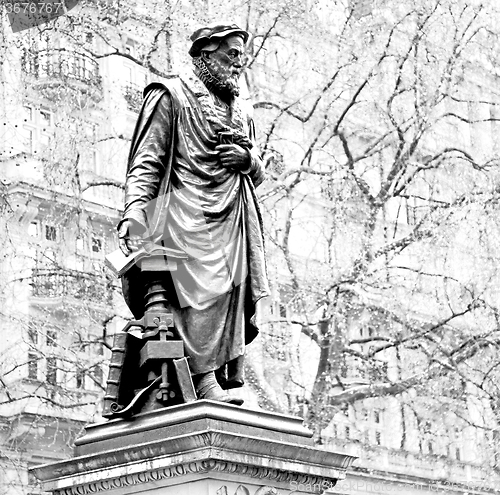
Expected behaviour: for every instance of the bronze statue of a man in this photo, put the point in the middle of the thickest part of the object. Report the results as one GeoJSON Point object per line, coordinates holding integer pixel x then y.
{"type": "Point", "coordinates": [192, 173]}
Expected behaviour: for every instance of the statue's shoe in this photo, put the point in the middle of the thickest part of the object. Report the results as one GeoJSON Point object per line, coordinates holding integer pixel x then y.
{"type": "Point", "coordinates": [208, 388]}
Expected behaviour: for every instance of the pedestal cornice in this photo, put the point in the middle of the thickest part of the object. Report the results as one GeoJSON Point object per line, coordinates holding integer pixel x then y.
{"type": "Point", "coordinates": [115, 459]}
{"type": "Point", "coordinates": [190, 418]}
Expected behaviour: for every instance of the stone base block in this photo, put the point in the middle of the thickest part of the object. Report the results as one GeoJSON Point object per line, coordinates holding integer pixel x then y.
{"type": "Point", "coordinates": [201, 448]}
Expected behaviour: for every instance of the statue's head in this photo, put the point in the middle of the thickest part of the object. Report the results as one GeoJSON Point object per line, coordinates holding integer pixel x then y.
{"type": "Point", "coordinates": [220, 49]}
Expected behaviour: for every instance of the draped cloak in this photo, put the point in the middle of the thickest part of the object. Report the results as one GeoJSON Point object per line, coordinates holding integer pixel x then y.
{"type": "Point", "coordinates": [177, 189]}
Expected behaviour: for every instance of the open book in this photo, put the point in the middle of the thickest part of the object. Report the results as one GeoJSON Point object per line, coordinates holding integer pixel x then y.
{"type": "Point", "coordinates": [120, 264]}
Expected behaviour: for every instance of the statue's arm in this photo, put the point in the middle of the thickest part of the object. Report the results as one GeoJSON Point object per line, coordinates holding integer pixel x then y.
{"type": "Point", "coordinates": [256, 166]}
{"type": "Point", "coordinates": [147, 164]}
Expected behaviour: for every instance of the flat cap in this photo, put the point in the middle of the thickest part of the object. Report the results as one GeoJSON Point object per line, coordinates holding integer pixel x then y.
{"type": "Point", "coordinates": [203, 36]}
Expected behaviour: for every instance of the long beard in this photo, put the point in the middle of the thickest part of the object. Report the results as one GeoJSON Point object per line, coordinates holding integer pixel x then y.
{"type": "Point", "coordinates": [224, 85]}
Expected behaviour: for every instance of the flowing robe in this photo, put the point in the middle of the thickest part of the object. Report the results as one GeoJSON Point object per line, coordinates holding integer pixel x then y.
{"type": "Point", "coordinates": [177, 189]}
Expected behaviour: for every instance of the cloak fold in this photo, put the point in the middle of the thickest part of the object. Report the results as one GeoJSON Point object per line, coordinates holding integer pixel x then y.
{"type": "Point", "coordinates": [178, 191]}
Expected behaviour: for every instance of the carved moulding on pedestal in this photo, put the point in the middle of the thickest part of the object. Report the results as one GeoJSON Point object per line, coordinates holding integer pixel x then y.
{"type": "Point", "coordinates": [200, 467]}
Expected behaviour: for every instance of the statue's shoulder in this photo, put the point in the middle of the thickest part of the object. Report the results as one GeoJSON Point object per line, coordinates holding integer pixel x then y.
{"type": "Point", "coordinates": [175, 87]}
{"type": "Point", "coordinates": [172, 86]}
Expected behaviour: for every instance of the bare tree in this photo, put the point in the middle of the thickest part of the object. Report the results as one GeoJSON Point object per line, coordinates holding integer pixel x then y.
{"type": "Point", "coordinates": [381, 215]}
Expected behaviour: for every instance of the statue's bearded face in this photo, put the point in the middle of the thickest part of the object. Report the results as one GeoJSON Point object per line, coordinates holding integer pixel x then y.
{"type": "Point", "coordinates": [226, 62]}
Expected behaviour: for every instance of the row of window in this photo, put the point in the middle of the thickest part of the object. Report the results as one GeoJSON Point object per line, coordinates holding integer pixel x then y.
{"type": "Point", "coordinates": [50, 232]}
{"type": "Point", "coordinates": [50, 338]}
{"type": "Point", "coordinates": [368, 436]}
{"type": "Point", "coordinates": [39, 131]}
{"type": "Point", "coordinates": [38, 128]}
{"type": "Point", "coordinates": [373, 371]}
{"type": "Point", "coordinates": [373, 436]}
{"type": "Point", "coordinates": [51, 371]}
{"type": "Point", "coordinates": [35, 229]}
{"type": "Point", "coordinates": [452, 451]}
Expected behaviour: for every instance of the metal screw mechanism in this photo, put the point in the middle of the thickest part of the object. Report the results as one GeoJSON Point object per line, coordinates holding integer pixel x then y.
{"type": "Point", "coordinates": [164, 321]}
{"type": "Point", "coordinates": [159, 321]}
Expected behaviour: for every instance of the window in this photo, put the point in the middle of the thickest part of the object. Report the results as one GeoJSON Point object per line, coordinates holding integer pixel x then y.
{"type": "Point", "coordinates": [51, 338]}
{"type": "Point", "coordinates": [130, 47]}
{"type": "Point", "coordinates": [28, 113]}
{"type": "Point", "coordinates": [88, 148]}
{"type": "Point", "coordinates": [417, 209]}
{"type": "Point", "coordinates": [32, 366]}
{"type": "Point", "coordinates": [454, 448]}
{"type": "Point", "coordinates": [343, 370]}
{"type": "Point", "coordinates": [96, 245]}
{"type": "Point", "coordinates": [142, 79]}
{"type": "Point", "coordinates": [282, 308]}
{"type": "Point", "coordinates": [33, 336]}
{"type": "Point", "coordinates": [90, 131]}
{"type": "Point", "coordinates": [334, 430]}
{"type": "Point", "coordinates": [99, 348]}
{"type": "Point", "coordinates": [129, 75]}
{"type": "Point", "coordinates": [134, 82]}
{"type": "Point", "coordinates": [44, 141]}
{"type": "Point", "coordinates": [378, 438]}
{"type": "Point", "coordinates": [50, 233]}
{"type": "Point", "coordinates": [45, 119]}
{"type": "Point", "coordinates": [38, 128]}
{"type": "Point", "coordinates": [94, 161]}
{"type": "Point", "coordinates": [80, 379]}
{"type": "Point", "coordinates": [79, 265]}
{"type": "Point", "coordinates": [34, 229]}
{"type": "Point", "coordinates": [79, 243]}
{"type": "Point", "coordinates": [30, 142]}
{"type": "Point", "coordinates": [97, 266]}
{"type": "Point", "coordinates": [51, 376]}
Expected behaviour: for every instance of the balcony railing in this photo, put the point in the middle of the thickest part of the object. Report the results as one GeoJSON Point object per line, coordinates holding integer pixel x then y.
{"type": "Point", "coordinates": [77, 285]}
{"type": "Point", "coordinates": [133, 96]}
{"type": "Point", "coordinates": [63, 67]}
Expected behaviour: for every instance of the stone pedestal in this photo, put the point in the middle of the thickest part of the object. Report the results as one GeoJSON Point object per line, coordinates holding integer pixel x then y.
{"type": "Point", "coordinates": [200, 448]}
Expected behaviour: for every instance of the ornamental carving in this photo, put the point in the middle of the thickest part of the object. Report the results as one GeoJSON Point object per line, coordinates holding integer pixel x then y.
{"type": "Point", "coordinates": [201, 467]}
{"type": "Point", "coordinates": [242, 490]}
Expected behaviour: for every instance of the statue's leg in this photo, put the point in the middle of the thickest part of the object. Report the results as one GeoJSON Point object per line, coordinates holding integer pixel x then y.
{"type": "Point", "coordinates": [231, 375]}
{"type": "Point", "coordinates": [156, 301]}
{"type": "Point", "coordinates": [235, 373]}
{"type": "Point", "coordinates": [207, 387]}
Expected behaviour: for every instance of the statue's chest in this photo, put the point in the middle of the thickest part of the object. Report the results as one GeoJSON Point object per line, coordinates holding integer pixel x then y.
{"type": "Point", "coordinates": [223, 113]}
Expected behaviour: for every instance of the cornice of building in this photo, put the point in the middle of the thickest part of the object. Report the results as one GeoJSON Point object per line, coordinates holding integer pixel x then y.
{"type": "Point", "coordinates": [57, 198]}
{"type": "Point", "coordinates": [421, 483]}
{"type": "Point", "coordinates": [27, 418]}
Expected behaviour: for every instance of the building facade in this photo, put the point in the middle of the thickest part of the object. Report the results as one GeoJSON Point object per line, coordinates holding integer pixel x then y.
{"type": "Point", "coordinates": [351, 217]}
